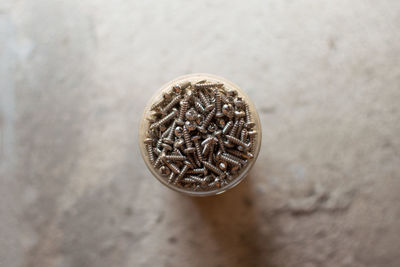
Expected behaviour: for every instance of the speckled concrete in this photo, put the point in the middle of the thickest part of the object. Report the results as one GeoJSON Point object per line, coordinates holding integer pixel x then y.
{"type": "Point", "coordinates": [75, 76]}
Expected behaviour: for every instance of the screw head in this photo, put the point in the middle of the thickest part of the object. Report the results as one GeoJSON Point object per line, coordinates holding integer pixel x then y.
{"type": "Point", "coordinates": [221, 123]}
{"type": "Point", "coordinates": [231, 92]}
{"type": "Point", "coordinates": [148, 141]}
{"type": "Point", "coordinates": [179, 143]}
{"type": "Point", "coordinates": [190, 125]}
{"type": "Point", "coordinates": [238, 102]}
{"type": "Point", "coordinates": [212, 127]}
{"type": "Point", "coordinates": [164, 170]}
{"type": "Point", "coordinates": [191, 114]}
{"type": "Point", "coordinates": [239, 114]}
{"type": "Point", "coordinates": [177, 88]}
{"type": "Point", "coordinates": [222, 165]}
{"type": "Point", "coordinates": [249, 125]}
{"type": "Point", "coordinates": [166, 147]}
{"type": "Point", "coordinates": [178, 131]}
{"type": "Point", "coordinates": [199, 118]}
{"type": "Point", "coordinates": [228, 110]}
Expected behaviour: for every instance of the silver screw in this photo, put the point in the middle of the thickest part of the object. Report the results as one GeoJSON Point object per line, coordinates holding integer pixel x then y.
{"type": "Point", "coordinates": [165, 119]}
{"type": "Point", "coordinates": [195, 140]}
{"type": "Point", "coordinates": [206, 103]}
{"type": "Point", "coordinates": [184, 106]}
{"type": "Point", "coordinates": [207, 121]}
{"type": "Point", "coordinates": [186, 136]}
{"type": "Point", "coordinates": [218, 114]}
{"type": "Point", "coordinates": [183, 171]}
{"type": "Point", "coordinates": [237, 141]}
{"type": "Point", "coordinates": [171, 104]}
{"type": "Point", "coordinates": [149, 147]}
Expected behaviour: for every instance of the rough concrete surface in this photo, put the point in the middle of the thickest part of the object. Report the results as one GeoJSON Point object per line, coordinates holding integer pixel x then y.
{"type": "Point", "coordinates": [74, 79]}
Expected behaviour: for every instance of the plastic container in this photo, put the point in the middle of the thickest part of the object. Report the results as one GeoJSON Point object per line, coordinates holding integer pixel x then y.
{"type": "Point", "coordinates": [145, 124]}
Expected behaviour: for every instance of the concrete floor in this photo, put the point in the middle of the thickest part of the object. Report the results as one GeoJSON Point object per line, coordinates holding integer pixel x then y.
{"type": "Point", "coordinates": [74, 79]}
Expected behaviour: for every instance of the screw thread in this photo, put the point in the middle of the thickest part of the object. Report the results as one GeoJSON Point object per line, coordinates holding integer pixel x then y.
{"type": "Point", "coordinates": [212, 168]}
{"type": "Point", "coordinates": [208, 118]}
{"type": "Point", "coordinates": [227, 127]}
{"type": "Point", "coordinates": [186, 137]}
{"type": "Point", "coordinates": [204, 99]}
{"type": "Point", "coordinates": [182, 111]}
{"type": "Point", "coordinates": [150, 152]}
{"type": "Point", "coordinates": [171, 104]}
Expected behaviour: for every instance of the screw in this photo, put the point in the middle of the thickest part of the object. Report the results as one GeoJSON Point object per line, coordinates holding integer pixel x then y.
{"type": "Point", "coordinates": [166, 148]}
{"type": "Point", "coordinates": [215, 183]}
{"type": "Point", "coordinates": [157, 104]}
{"type": "Point", "coordinates": [195, 179]}
{"type": "Point", "coordinates": [234, 158]}
{"type": "Point", "coordinates": [227, 127]}
{"type": "Point", "coordinates": [220, 142]}
{"type": "Point", "coordinates": [222, 165]}
{"type": "Point", "coordinates": [172, 166]}
{"type": "Point", "coordinates": [190, 125]}
{"type": "Point", "coordinates": [191, 115]}
{"type": "Point", "coordinates": [252, 135]}
{"type": "Point", "coordinates": [249, 124]}
{"type": "Point", "coordinates": [149, 146]}
{"type": "Point", "coordinates": [183, 171]}
{"type": "Point", "coordinates": [175, 157]}
{"type": "Point", "coordinates": [237, 141]}
{"type": "Point", "coordinates": [239, 129]}
{"type": "Point", "coordinates": [213, 168]}
{"type": "Point", "coordinates": [171, 104]}
{"type": "Point", "coordinates": [186, 136]}
{"type": "Point", "coordinates": [243, 135]}
{"type": "Point", "coordinates": [234, 129]}
{"type": "Point", "coordinates": [206, 103]}
{"type": "Point", "coordinates": [228, 110]}
{"type": "Point", "coordinates": [229, 159]}
{"type": "Point", "coordinates": [164, 171]}
{"type": "Point", "coordinates": [178, 88]}
{"type": "Point", "coordinates": [207, 121]}
{"type": "Point", "coordinates": [219, 114]}
{"type": "Point", "coordinates": [178, 131]}
{"type": "Point", "coordinates": [171, 177]}
{"type": "Point", "coordinates": [165, 119]}
{"type": "Point", "coordinates": [198, 171]}
{"type": "Point", "coordinates": [171, 131]}
{"type": "Point", "coordinates": [207, 85]}
{"type": "Point", "coordinates": [199, 106]}
{"type": "Point", "coordinates": [195, 140]}
{"type": "Point", "coordinates": [184, 106]}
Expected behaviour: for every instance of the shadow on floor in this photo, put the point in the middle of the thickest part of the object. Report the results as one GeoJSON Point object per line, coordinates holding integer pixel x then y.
{"type": "Point", "coordinates": [236, 226]}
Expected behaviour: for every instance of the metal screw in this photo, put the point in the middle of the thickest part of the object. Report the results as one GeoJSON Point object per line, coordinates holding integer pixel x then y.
{"type": "Point", "coordinates": [195, 140]}
{"type": "Point", "coordinates": [149, 146]}
{"type": "Point", "coordinates": [218, 114]}
{"type": "Point", "coordinates": [206, 103]}
{"type": "Point", "coordinates": [207, 121]}
{"type": "Point", "coordinates": [237, 141]}
{"type": "Point", "coordinates": [165, 119]}
{"type": "Point", "coordinates": [171, 104]}
{"type": "Point", "coordinates": [186, 136]}
{"type": "Point", "coordinates": [184, 106]}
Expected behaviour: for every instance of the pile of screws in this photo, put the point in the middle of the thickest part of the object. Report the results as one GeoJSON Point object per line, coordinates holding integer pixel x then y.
{"type": "Point", "coordinates": [200, 135]}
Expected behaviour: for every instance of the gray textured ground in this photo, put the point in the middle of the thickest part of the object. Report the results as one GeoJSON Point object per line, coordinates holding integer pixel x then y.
{"type": "Point", "coordinates": [75, 75]}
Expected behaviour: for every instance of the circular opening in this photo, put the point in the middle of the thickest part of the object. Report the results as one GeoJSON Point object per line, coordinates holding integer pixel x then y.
{"type": "Point", "coordinates": [164, 112]}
